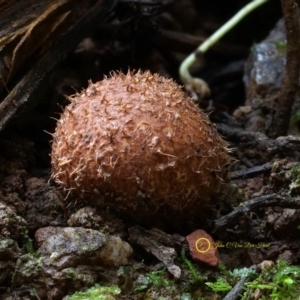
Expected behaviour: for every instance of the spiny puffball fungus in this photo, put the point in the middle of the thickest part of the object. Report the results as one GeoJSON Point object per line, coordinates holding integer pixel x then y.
{"type": "Point", "coordinates": [138, 142]}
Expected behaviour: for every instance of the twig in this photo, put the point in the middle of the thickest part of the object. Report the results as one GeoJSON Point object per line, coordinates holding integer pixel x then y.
{"type": "Point", "coordinates": [251, 172]}
{"type": "Point", "coordinates": [259, 141]}
{"type": "Point", "coordinates": [289, 89]}
{"type": "Point", "coordinates": [262, 201]}
{"type": "Point", "coordinates": [238, 288]}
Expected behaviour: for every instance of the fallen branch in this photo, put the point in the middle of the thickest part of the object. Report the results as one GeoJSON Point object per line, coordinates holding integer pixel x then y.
{"type": "Point", "coordinates": [259, 141]}
{"type": "Point", "coordinates": [250, 172]}
{"type": "Point", "coordinates": [258, 202]}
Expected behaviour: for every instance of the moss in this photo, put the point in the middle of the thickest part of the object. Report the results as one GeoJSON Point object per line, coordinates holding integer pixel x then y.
{"type": "Point", "coordinates": [29, 266]}
{"type": "Point", "coordinates": [97, 292]}
{"type": "Point", "coordinates": [192, 270]}
{"type": "Point", "coordinates": [294, 187]}
{"type": "Point", "coordinates": [158, 278]}
{"type": "Point", "coordinates": [158, 285]}
{"type": "Point", "coordinates": [295, 172]}
{"type": "Point", "coordinates": [280, 281]}
{"type": "Point", "coordinates": [226, 279]}
{"type": "Point", "coordinates": [79, 277]}
{"type": "Point", "coordinates": [219, 286]}
{"type": "Point", "coordinates": [281, 44]}
{"type": "Point", "coordinates": [125, 281]}
{"type": "Point", "coordinates": [295, 117]}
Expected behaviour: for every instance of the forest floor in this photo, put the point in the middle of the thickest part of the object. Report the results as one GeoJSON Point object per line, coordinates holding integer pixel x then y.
{"type": "Point", "coordinates": [43, 240]}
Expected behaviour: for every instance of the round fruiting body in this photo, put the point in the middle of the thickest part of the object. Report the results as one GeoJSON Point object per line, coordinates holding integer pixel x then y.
{"type": "Point", "coordinates": [140, 144]}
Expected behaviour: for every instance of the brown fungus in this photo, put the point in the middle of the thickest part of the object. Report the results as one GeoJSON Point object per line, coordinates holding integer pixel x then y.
{"type": "Point", "coordinates": [138, 142]}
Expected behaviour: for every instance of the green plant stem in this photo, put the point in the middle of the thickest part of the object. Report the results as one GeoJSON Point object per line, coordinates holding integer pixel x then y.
{"type": "Point", "coordinates": [192, 58]}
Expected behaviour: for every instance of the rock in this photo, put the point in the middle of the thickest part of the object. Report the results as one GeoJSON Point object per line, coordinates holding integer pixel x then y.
{"type": "Point", "coordinates": [264, 73]}
{"type": "Point", "coordinates": [74, 258]}
{"type": "Point", "coordinates": [43, 206]}
{"type": "Point", "coordinates": [287, 256]}
{"type": "Point", "coordinates": [9, 253]}
{"type": "Point", "coordinates": [11, 225]}
{"type": "Point", "coordinates": [42, 234]}
{"type": "Point", "coordinates": [263, 79]}
{"type": "Point", "coordinates": [266, 264]}
{"type": "Point", "coordinates": [14, 201]}
{"type": "Point", "coordinates": [29, 272]}
{"type": "Point", "coordinates": [86, 217]}
{"type": "Point", "coordinates": [74, 244]}
{"type": "Point", "coordinates": [115, 251]}
{"type": "Point", "coordinates": [202, 247]}
{"type": "Point", "coordinates": [287, 222]}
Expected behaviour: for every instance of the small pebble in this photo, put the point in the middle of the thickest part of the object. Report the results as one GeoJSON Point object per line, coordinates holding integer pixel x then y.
{"type": "Point", "coordinates": [202, 247]}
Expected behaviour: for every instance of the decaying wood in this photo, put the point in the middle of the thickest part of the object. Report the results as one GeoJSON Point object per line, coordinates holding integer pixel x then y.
{"type": "Point", "coordinates": [30, 27]}
{"type": "Point", "coordinates": [153, 241]}
{"type": "Point", "coordinates": [24, 27]}
{"type": "Point", "coordinates": [37, 35]}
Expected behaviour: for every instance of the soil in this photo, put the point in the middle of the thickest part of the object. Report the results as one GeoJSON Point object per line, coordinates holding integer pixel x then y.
{"type": "Point", "coordinates": [35, 218]}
